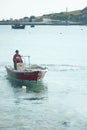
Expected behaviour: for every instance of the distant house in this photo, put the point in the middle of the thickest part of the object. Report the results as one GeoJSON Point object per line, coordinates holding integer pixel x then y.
{"type": "Point", "coordinates": [46, 20]}
{"type": "Point", "coordinates": [51, 21]}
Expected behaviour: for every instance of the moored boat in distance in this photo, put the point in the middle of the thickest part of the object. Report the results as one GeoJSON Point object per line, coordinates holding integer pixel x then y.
{"type": "Point", "coordinates": [18, 26]}
{"type": "Point", "coordinates": [31, 73]}
{"type": "Point", "coordinates": [32, 25]}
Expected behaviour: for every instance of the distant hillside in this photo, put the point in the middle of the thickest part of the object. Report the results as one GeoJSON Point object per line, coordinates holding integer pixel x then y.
{"type": "Point", "coordinates": [79, 16]}
{"type": "Point", "coordinates": [76, 12]}
{"type": "Point", "coordinates": [76, 17]}
{"type": "Point", "coordinates": [84, 11]}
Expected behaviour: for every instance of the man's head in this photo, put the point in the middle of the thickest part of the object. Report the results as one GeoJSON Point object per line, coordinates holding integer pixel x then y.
{"type": "Point", "coordinates": [17, 51]}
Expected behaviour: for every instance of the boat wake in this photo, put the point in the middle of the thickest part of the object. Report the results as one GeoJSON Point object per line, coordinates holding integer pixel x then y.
{"type": "Point", "coordinates": [65, 67]}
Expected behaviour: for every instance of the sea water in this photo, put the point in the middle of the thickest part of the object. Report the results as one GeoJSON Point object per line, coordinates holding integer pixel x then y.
{"type": "Point", "coordinates": [59, 101]}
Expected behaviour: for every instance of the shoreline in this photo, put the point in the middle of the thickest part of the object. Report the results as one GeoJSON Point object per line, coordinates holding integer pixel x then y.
{"type": "Point", "coordinates": [39, 23]}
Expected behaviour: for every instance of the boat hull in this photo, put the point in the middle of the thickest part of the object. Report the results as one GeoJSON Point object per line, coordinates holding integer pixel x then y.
{"type": "Point", "coordinates": [26, 75]}
{"type": "Point", "coordinates": [18, 26]}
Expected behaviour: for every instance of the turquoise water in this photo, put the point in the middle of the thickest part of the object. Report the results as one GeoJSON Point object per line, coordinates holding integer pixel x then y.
{"type": "Point", "coordinates": [58, 102]}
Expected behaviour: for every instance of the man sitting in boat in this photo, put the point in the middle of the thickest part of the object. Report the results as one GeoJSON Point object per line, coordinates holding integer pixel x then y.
{"type": "Point", "coordinates": [17, 59]}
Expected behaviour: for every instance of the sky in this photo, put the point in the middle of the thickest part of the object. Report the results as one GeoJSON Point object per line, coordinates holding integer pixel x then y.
{"type": "Point", "coordinates": [25, 8]}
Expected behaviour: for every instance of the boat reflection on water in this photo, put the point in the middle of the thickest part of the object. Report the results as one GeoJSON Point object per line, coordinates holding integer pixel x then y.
{"type": "Point", "coordinates": [29, 86]}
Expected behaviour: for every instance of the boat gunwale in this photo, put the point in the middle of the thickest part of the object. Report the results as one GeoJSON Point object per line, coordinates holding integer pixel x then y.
{"type": "Point", "coordinates": [26, 70]}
